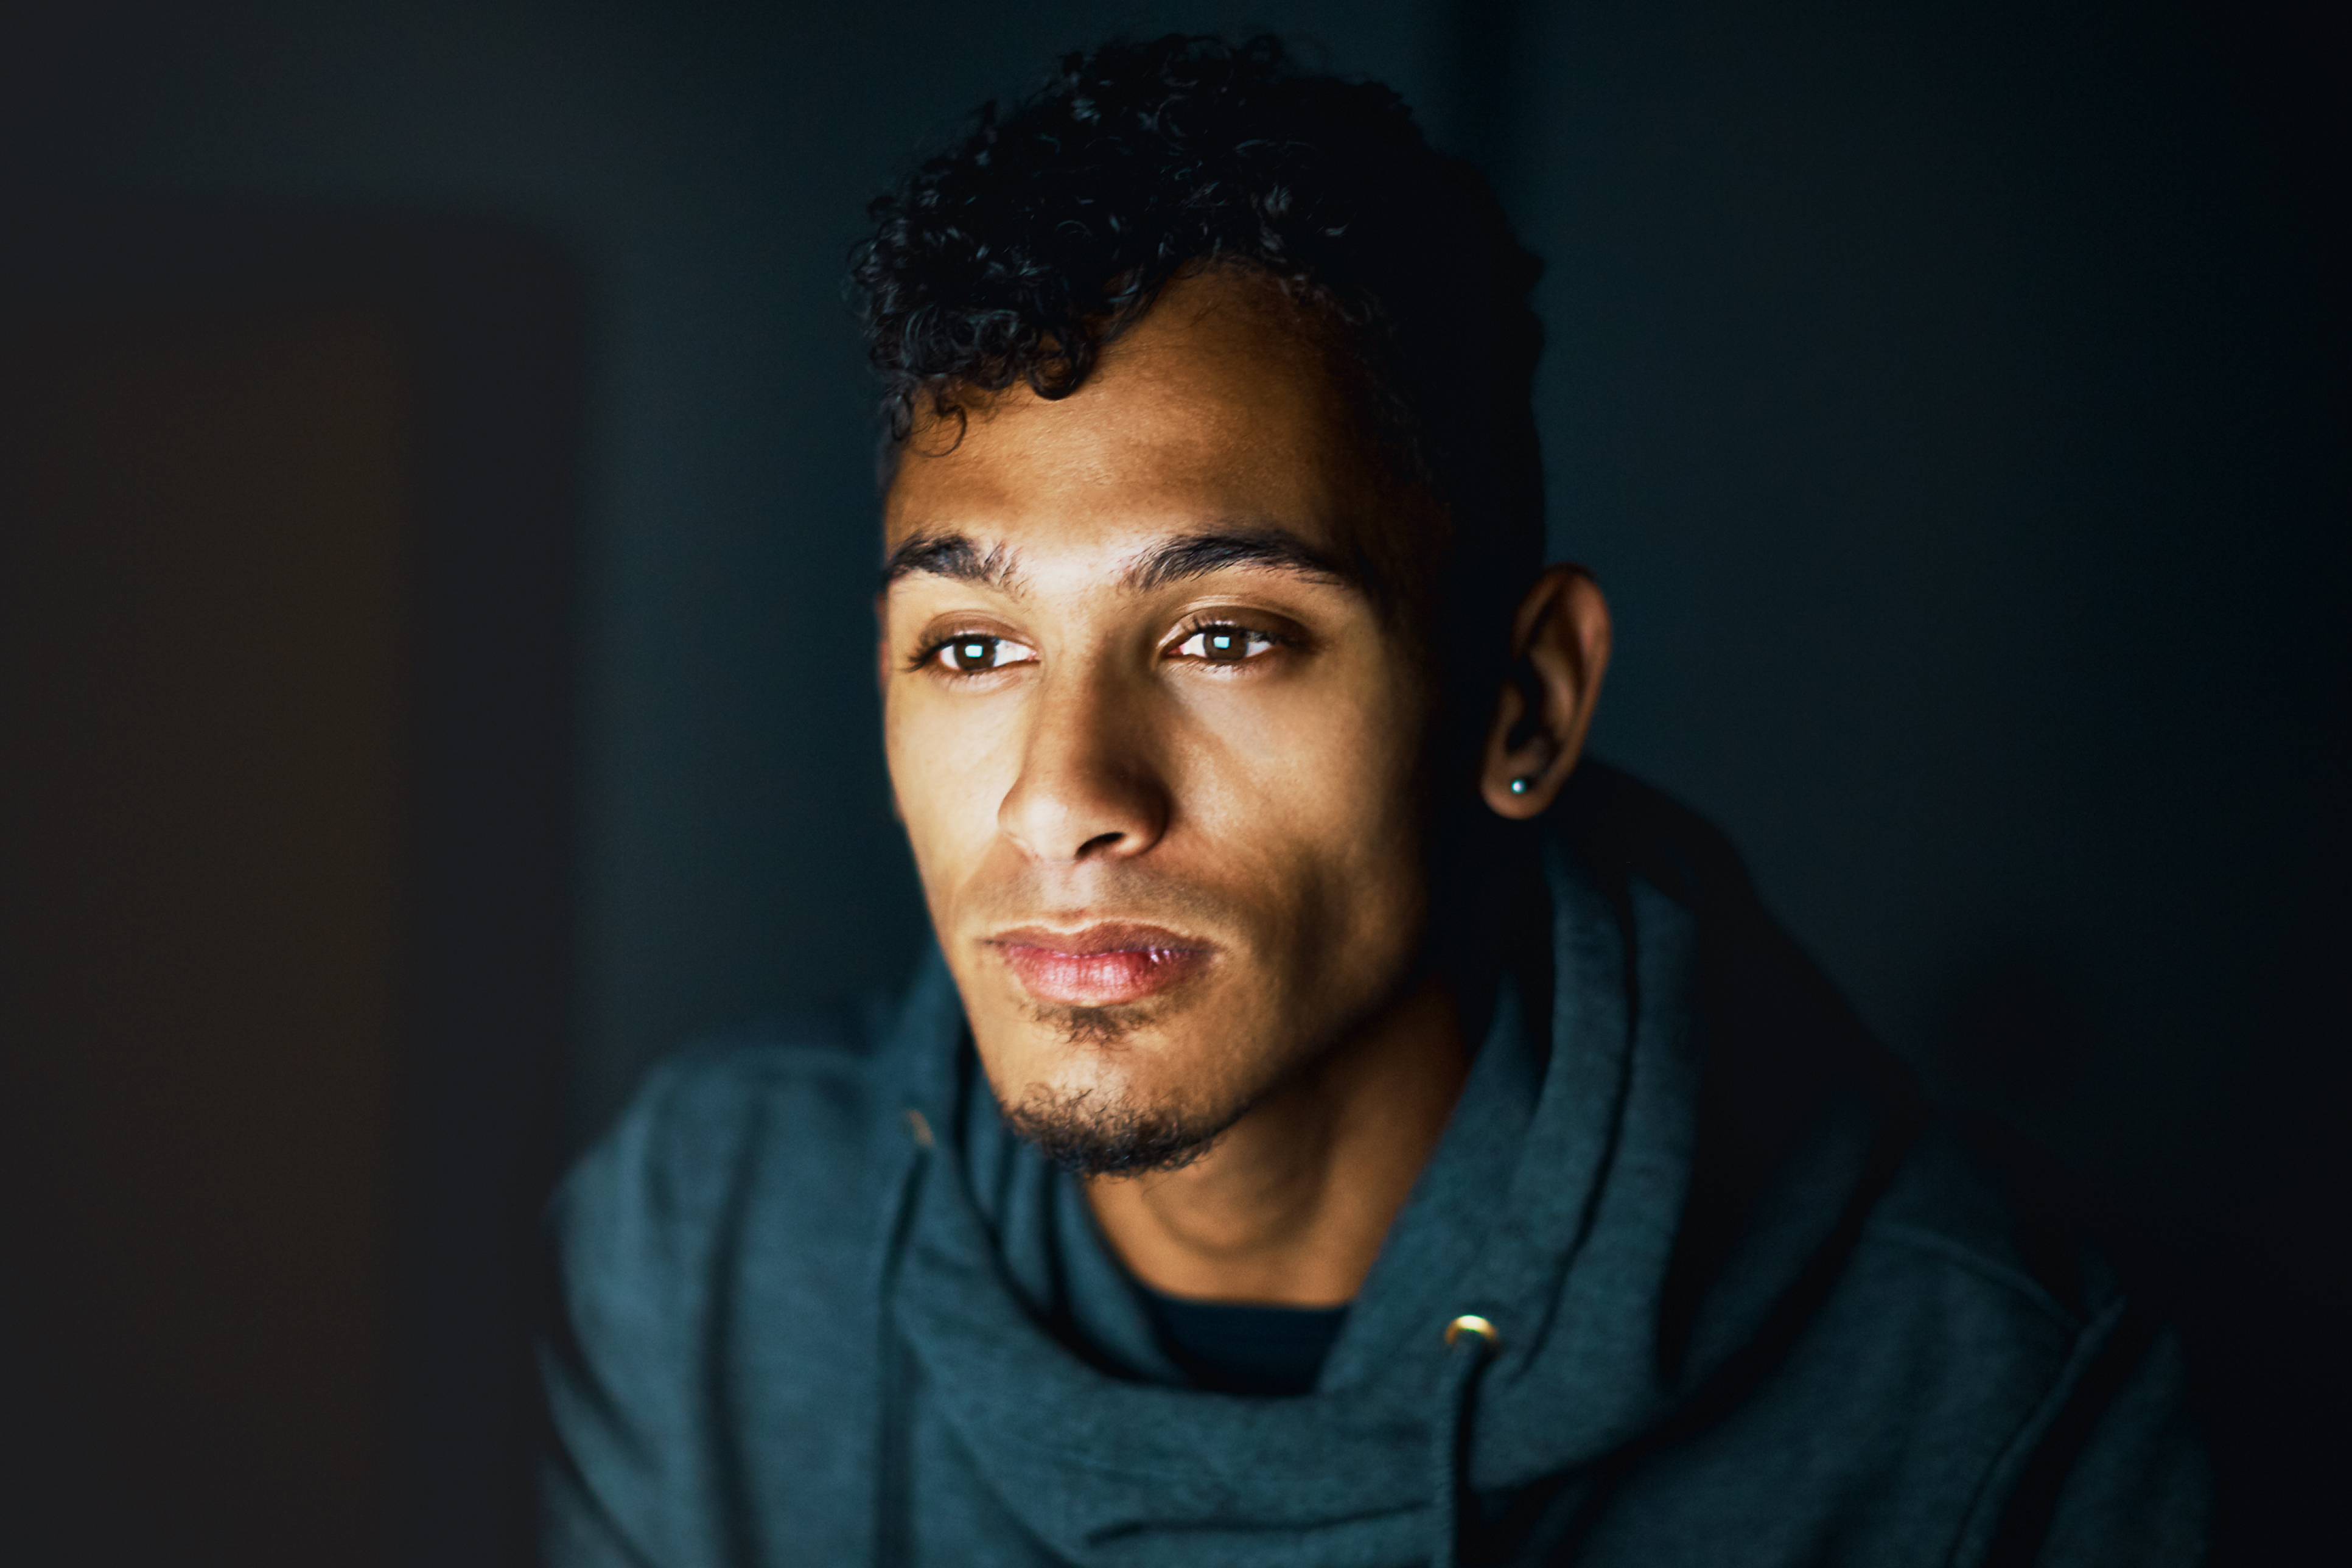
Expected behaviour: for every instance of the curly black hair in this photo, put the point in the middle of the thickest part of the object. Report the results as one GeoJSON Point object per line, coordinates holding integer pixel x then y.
{"type": "Point", "coordinates": [1049, 229]}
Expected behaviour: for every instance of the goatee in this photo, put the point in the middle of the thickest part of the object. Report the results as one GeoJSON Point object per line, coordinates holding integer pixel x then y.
{"type": "Point", "coordinates": [1088, 1135]}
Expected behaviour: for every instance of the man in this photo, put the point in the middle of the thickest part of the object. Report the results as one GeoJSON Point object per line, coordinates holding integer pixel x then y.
{"type": "Point", "coordinates": [1336, 1126]}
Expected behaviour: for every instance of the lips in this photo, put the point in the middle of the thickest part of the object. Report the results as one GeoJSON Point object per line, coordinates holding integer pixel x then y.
{"type": "Point", "coordinates": [1099, 965]}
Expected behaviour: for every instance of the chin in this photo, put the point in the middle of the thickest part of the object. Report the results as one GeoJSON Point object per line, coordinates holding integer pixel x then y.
{"type": "Point", "coordinates": [1097, 1131]}
{"type": "Point", "coordinates": [1173, 1069]}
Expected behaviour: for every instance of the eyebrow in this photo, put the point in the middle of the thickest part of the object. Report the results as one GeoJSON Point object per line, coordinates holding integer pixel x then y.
{"type": "Point", "coordinates": [1197, 555]}
{"type": "Point", "coordinates": [955, 556]}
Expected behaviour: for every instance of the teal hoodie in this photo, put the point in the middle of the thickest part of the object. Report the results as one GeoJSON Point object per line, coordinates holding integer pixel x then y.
{"type": "Point", "coordinates": [1751, 1303]}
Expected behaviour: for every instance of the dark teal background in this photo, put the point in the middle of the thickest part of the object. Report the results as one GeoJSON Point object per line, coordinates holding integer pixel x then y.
{"type": "Point", "coordinates": [1948, 396]}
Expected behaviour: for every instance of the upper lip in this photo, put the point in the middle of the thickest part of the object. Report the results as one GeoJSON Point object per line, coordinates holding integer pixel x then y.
{"type": "Point", "coordinates": [1104, 936]}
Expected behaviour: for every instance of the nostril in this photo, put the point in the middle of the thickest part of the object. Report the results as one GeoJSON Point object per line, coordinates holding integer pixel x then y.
{"type": "Point", "coordinates": [1099, 841]}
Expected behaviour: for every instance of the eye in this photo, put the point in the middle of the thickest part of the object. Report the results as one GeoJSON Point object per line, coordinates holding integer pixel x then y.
{"type": "Point", "coordinates": [1222, 644]}
{"type": "Point", "coordinates": [973, 655]}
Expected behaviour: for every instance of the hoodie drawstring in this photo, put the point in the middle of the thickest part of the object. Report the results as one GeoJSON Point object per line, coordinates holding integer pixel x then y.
{"type": "Point", "coordinates": [1470, 1344]}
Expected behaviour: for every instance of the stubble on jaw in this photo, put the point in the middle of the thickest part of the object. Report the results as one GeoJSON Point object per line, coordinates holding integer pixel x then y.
{"type": "Point", "coordinates": [1099, 1131]}
{"type": "Point", "coordinates": [1089, 1133]}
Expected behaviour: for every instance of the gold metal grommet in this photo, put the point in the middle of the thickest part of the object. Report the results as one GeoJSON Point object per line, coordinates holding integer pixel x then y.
{"type": "Point", "coordinates": [920, 1128]}
{"type": "Point", "coordinates": [1472, 1324]}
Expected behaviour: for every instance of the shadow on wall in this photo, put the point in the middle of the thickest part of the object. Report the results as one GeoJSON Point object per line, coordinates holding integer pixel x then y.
{"type": "Point", "coordinates": [285, 854]}
{"type": "Point", "coordinates": [2020, 1034]}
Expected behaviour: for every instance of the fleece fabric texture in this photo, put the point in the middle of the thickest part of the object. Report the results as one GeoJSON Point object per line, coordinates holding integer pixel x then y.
{"type": "Point", "coordinates": [1752, 1305]}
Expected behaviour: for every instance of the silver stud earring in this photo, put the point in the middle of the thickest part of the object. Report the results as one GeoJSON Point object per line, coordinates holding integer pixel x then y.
{"type": "Point", "coordinates": [1523, 783]}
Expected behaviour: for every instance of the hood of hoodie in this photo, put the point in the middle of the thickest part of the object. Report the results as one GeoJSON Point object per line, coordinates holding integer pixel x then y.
{"type": "Point", "coordinates": [1669, 1138]}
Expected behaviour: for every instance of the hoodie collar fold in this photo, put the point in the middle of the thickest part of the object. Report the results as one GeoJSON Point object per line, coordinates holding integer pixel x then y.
{"type": "Point", "coordinates": [1550, 1206]}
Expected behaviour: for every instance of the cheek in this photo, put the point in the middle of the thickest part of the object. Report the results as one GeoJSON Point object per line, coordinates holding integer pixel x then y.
{"type": "Point", "coordinates": [1343, 741]}
{"type": "Point", "coordinates": [950, 766]}
{"type": "Point", "coordinates": [1321, 782]}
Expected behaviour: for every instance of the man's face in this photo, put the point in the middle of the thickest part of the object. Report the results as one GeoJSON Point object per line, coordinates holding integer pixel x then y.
{"type": "Point", "coordinates": [1156, 748]}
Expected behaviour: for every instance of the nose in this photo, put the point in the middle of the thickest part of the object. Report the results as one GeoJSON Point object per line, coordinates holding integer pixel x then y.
{"type": "Point", "coordinates": [1087, 787]}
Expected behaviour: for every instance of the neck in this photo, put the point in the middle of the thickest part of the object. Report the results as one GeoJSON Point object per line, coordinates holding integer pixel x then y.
{"type": "Point", "coordinates": [1291, 1205]}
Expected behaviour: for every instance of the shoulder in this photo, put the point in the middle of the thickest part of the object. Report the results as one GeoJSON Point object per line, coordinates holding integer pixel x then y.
{"type": "Point", "coordinates": [1974, 1197]}
{"type": "Point", "coordinates": [2035, 1284]}
{"type": "Point", "coordinates": [795, 1110]}
{"type": "Point", "coordinates": [760, 1165]}
{"type": "Point", "coordinates": [696, 1260]}
{"type": "Point", "coordinates": [1949, 1277]}
{"type": "Point", "coordinates": [1787, 1065]}
{"type": "Point", "coordinates": [732, 1205]}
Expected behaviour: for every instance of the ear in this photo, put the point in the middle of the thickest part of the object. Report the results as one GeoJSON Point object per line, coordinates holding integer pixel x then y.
{"type": "Point", "coordinates": [1559, 646]}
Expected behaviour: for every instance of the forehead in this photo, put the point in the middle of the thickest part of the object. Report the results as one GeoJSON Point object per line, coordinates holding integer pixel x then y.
{"type": "Point", "coordinates": [1220, 406]}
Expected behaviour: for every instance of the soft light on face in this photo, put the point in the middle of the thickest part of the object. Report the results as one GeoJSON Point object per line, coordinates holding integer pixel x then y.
{"type": "Point", "coordinates": [1156, 750]}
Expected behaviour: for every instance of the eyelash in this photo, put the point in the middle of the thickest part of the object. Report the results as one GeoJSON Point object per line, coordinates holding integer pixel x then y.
{"type": "Point", "coordinates": [1190, 627]}
{"type": "Point", "coordinates": [930, 657]}
{"type": "Point", "coordinates": [1194, 626]}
